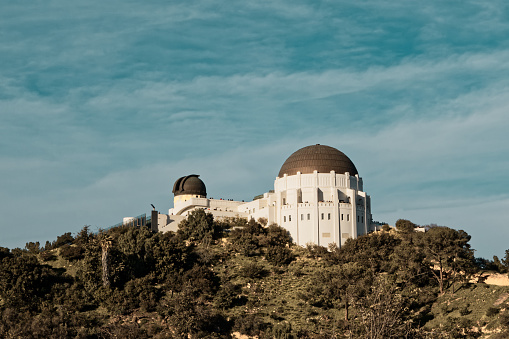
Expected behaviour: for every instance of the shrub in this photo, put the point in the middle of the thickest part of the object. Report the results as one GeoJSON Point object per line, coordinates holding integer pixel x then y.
{"type": "Point", "coordinates": [226, 296]}
{"type": "Point", "coordinates": [504, 319]}
{"type": "Point", "coordinates": [492, 311]}
{"type": "Point", "coordinates": [47, 256]}
{"type": "Point", "coordinates": [279, 256]}
{"type": "Point", "coordinates": [464, 310]}
{"type": "Point", "coordinates": [250, 324]}
{"type": "Point", "coordinates": [253, 271]}
{"type": "Point", "coordinates": [71, 252]}
{"type": "Point", "coordinates": [316, 251]}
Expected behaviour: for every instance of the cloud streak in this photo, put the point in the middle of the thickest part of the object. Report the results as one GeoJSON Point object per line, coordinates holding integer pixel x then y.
{"type": "Point", "coordinates": [104, 104]}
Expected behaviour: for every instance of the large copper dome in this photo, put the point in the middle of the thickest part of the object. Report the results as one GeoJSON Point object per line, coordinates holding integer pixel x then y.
{"type": "Point", "coordinates": [319, 158]}
{"type": "Point", "coordinates": [190, 184]}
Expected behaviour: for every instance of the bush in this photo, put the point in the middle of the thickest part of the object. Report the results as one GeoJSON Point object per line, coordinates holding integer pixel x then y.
{"type": "Point", "coordinates": [227, 296]}
{"type": "Point", "coordinates": [279, 256]}
{"type": "Point", "coordinates": [250, 324]}
{"type": "Point", "coordinates": [71, 252]}
{"type": "Point", "coordinates": [492, 311]}
{"type": "Point", "coordinates": [504, 319]}
{"type": "Point", "coordinates": [464, 310]}
{"type": "Point", "coordinates": [199, 226]}
{"type": "Point", "coordinates": [47, 256]}
{"type": "Point", "coordinates": [63, 239]}
{"type": "Point", "coordinates": [316, 251]}
{"type": "Point", "coordinates": [253, 271]}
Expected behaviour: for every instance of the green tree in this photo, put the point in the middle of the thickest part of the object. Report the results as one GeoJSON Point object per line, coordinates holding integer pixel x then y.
{"type": "Point", "coordinates": [33, 247]}
{"type": "Point", "coordinates": [279, 256]}
{"type": "Point", "coordinates": [405, 226]}
{"type": "Point", "coordinates": [340, 285]}
{"type": "Point", "coordinates": [373, 251]}
{"type": "Point", "coordinates": [381, 312]}
{"type": "Point", "coordinates": [448, 253]}
{"type": "Point", "coordinates": [505, 261]}
{"type": "Point", "coordinates": [199, 226]}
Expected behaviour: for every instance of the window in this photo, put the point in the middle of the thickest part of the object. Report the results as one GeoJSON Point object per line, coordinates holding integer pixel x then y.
{"type": "Point", "coordinates": [328, 216]}
{"type": "Point", "coordinates": [348, 217]}
{"type": "Point", "coordinates": [284, 218]}
{"type": "Point", "coordinates": [289, 218]}
{"type": "Point", "coordinates": [322, 216]}
{"type": "Point", "coordinates": [302, 217]}
{"type": "Point", "coordinates": [309, 216]}
{"type": "Point", "coordinates": [284, 201]}
{"type": "Point", "coordinates": [358, 219]}
{"type": "Point", "coordinates": [341, 216]}
{"type": "Point", "coordinates": [254, 209]}
{"type": "Point", "coordinates": [362, 219]}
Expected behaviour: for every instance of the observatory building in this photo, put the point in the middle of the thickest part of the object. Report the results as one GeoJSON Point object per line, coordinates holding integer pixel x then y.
{"type": "Point", "coordinates": [318, 197]}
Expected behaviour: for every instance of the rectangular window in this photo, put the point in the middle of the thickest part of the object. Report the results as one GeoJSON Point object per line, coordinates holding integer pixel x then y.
{"type": "Point", "coordinates": [254, 209]}
{"type": "Point", "coordinates": [328, 216]}
{"type": "Point", "coordinates": [309, 216]}
{"type": "Point", "coordinates": [348, 217]}
{"type": "Point", "coordinates": [341, 216]}
{"type": "Point", "coordinates": [322, 216]}
{"type": "Point", "coordinates": [362, 219]}
{"type": "Point", "coordinates": [358, 219]}
{"type": "Point", "coordinates": [289, 218]}
{"type": "Point", "coordinates": [284, 218]}
{"type": "Point", "coordinates": [302, 217]}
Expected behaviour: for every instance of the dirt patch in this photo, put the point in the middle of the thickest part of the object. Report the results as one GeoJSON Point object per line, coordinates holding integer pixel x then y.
{"type": "Point", "coordinates": [503, 297]}
{"type": "Point", "coordinates": [497, 279]}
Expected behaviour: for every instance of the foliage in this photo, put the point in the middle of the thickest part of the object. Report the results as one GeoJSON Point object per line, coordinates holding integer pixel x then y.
{"type": "Point", "coordinates": [199, 226]}
{"type": "Point", "coordinates": [71, 252]}
{"type": "Point", "coordinates": [371, 251]}
{"type": "Point", "coordinates": [193, 284]}
{"type": "Point", "coordinates": [448, 251]}
{"type": "Point", "coordinates": [405, 226]}
{"type": "Point", "coordinates": [279, 256]}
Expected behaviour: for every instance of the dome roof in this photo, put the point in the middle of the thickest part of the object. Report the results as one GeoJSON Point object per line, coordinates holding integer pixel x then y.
{"type": "Point", "coordinates": [190, 184]}
{"type": "Point", "coordinates": [320, 158]}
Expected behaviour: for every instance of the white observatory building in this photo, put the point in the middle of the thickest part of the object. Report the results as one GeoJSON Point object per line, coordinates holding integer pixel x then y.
{"type": "Point", "coordinates": [318, 197]}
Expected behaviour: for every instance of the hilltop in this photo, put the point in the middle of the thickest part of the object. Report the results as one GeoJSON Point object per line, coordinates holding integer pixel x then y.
{"type": "Point", "coordinates": [218, 279]}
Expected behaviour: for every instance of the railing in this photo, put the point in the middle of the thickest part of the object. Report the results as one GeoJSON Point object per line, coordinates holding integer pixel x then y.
{"type": "Point", "coordinates": [138, 221]}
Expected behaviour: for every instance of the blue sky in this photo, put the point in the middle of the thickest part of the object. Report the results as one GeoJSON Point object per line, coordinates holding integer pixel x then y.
{"type": "Point", "coordinates": [103, 105]}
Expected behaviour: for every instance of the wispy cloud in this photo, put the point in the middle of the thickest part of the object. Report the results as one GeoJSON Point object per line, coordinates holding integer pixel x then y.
{"type": "Point", "coordinates": [100, 100]}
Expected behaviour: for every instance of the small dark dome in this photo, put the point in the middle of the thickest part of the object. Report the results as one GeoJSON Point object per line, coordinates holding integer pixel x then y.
{"type": "Point", "coordinates": [190, 184]}
{"type": "Point", "coordinates": [319, 158]}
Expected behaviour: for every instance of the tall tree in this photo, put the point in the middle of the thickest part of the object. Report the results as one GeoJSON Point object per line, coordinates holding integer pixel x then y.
{"type": "Point", "coordinates": [342, 284]}
{"type": "Point", "coordinates": [448, 252]}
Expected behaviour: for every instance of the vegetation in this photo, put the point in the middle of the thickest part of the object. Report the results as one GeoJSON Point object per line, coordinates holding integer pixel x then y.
{"type": "Point", "coordinates": [213, 279]}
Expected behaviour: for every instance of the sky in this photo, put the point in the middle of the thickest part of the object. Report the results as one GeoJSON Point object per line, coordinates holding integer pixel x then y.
{"type": "Point", "coordinates": [104, 104]}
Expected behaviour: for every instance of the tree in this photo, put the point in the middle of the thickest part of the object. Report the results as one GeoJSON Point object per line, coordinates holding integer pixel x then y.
{"type": "Point", "coordinates": [405, 226]}
{"type": "Point", "coordinates": [380, 312]}
{"type": "Point", "coordinates": [32, 247]}
{"type": "Point", "coordinates": [199, 226]}
{"type": "Point", "coordinates": [341, 284]}
{"type": "Point", "coordinates": [279, 256]}
{"type": "Point", "coordinates": [373, 251]}
{"type": "Point", "coordinates": [505, 261]}
{"type": "Point", "coordinates": [448, 252]}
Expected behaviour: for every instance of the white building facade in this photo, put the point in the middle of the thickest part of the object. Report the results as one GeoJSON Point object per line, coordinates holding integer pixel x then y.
{"type": "Point", "coordinates": [318, 197]}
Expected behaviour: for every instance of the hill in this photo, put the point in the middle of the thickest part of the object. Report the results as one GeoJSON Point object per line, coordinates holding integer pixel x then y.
{"type": "Point", "coordinates": [222, 279]}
